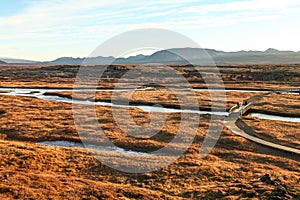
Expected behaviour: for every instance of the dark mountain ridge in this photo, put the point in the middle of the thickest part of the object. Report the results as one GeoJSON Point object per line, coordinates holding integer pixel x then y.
{"type": "Point", "coordinates": [194, 55]}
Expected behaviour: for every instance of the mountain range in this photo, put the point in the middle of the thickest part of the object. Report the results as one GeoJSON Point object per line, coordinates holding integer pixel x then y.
{"type": "Point", "coordinates": [16, 61]}
{"type": "Point", "coordinates": [194, 55]}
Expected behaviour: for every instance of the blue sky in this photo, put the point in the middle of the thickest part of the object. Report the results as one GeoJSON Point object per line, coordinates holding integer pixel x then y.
{"type": "Point", "coordinates": [47, 29]}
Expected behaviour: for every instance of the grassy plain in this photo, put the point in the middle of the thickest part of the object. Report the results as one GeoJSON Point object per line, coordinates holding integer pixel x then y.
{"type": "Point", "coordinates": [235, 169]}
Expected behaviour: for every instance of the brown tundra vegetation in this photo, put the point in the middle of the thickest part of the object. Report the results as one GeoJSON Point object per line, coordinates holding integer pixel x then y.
{"type": "Point", "coordinates": [235, 169]}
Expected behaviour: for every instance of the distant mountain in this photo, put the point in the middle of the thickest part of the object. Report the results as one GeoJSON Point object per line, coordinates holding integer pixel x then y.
{"type": "Point", "coordinates": [2, 62]}
{"type": "Point", "coordinates": [270, 56]}
{"type": "Point", "coordinates": [65, 61]}
{"type": "Point", "coordinates": [194, 55]}
{"type": "Point", "coordinates": [183, 55]}
{"type": "Point", "coordinates": [79, 61]}
{"type": "Point", "coordinates": [139, 59]}
{"type": "Point", "coordinates": [17, 61]}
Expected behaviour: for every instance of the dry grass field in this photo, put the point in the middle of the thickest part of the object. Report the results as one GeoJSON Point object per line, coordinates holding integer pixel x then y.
{"type": "Point", "coordinates": [282, 132]}
{"type": "Point", "coordinates": [234, 76]}
{"type": "Point", "coordinates": [278, 104]}
{"type": "Point", "coordinates": [235, 169]}
{"type": "Point", "coordinates": [164, 97]}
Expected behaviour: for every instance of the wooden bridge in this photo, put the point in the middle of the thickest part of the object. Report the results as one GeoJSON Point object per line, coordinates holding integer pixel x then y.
{"type": "Point", "coordinates": [236, 111]}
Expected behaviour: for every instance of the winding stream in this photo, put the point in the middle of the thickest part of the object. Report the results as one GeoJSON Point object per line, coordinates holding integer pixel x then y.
{"type": "Point", "coordinates": [93, 147]}
{"type": "Point", "coordinates": [39, 93]}
{"type": "Point", "coordinates": [274, 117]}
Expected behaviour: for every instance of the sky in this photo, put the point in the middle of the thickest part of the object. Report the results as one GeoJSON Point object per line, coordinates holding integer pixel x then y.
{"type": "Point", "coordinates": [43, 30]}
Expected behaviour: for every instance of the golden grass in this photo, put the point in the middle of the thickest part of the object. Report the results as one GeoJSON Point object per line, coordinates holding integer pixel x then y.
{"type": "Point", "coordinates": [234, 76]}
{"type": "Point", "coordinates": [232, 171]}
{"type": "Point", "coordinates": [202, 100]}
{"type": "Point", "coordinates": [284, 133]}
{"type": "Point", "coordinates": [278, 104]}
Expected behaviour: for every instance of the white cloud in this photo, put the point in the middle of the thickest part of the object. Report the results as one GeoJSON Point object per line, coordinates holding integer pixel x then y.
{"type": "Point", "coordinates": [250, 5]}
{"type": "Point", "coordinates": [79, 15]}
{"type": "Point", "coordinates": [59, 22]}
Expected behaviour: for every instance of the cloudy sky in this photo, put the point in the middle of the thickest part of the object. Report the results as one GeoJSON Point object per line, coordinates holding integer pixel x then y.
{"type": "Point", "coordinates": [47, 29]}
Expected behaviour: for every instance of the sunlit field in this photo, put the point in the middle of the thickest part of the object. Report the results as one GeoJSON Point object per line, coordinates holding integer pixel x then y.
{"type": "Point", "coordinates": [236, 168]}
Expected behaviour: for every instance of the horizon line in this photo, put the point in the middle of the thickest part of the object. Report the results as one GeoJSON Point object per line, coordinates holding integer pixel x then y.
{"type": "Point", "coordinates": [35, 61]}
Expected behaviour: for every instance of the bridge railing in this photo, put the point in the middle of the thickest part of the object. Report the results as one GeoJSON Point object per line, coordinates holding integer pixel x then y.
{"type": "Point", "coordinates": [232, 109]}
{"type": "Point", "coordinates": [245, 109]}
